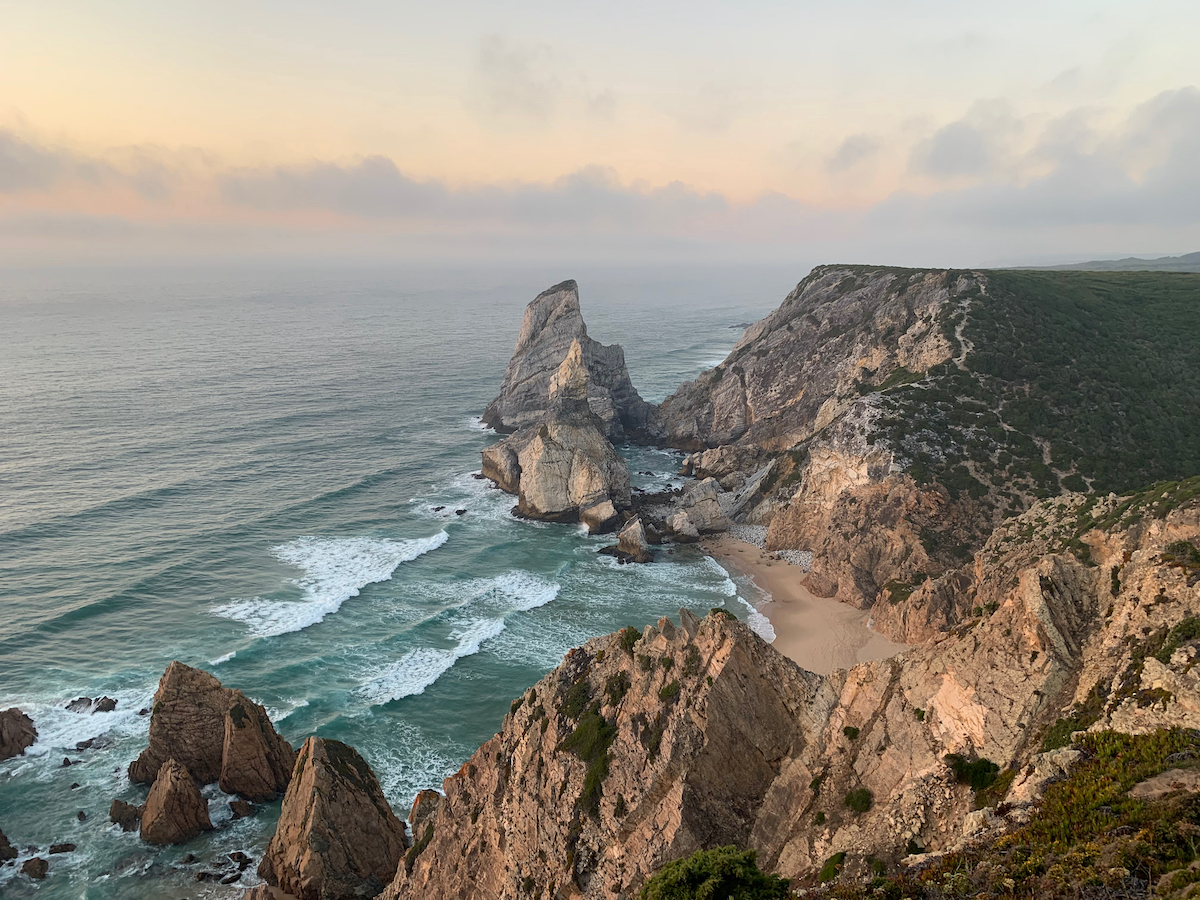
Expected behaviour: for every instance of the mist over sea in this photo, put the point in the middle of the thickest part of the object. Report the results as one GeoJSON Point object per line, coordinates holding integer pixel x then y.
{"type": "Point", "coordinates": [260, 472]}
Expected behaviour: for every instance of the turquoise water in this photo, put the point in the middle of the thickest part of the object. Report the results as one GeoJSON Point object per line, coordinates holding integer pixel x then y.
{"type": "Point", "coordinates": [244, 471]}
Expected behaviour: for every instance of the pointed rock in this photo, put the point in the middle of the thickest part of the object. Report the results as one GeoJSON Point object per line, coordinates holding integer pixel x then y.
{"type": "Point", "coordinates": [128, 816]}
{"type": "Point", "coordinates": [174, 812]}
{"type": "Point", "coordinates": [7, 850]}
{"type": "Point", "coordinates": [632, 541]}
{"type": "Point", "coordinates": [256, 763]}
{"type": "Point", "coordinates": [16, 733]}
{"type": "Point", "coordinates": [424, 806]}
{"type": "Point", "coordinates": [337, 837]}
{"type": "Point", "coordinates": [187, 724]}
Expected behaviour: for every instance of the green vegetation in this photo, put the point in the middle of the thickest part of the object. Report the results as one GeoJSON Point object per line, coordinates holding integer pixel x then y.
{"type": "Point", "coordinates": [629, 637]}
{"type": "Point", "coordinates": [725, 873]}
{"type": "Point", "coordinates": [575, 698]}
{"type": "Point", "coordinates": [410, 858]}
{"type": "Point", "coordinates": [832, 868]}
{"type": "Point", "coordinates": [851, 732]}
{"type": "Point", "coordinates": [590, 742]}
{"type": "Point", "coordinates": [859, 800]}
{"type": "Point", "coordinates": [616, 687]}
{"type": "Point", "coordinates": [898, 591]}
{"type": "Point", "coordinates": [920, 714]}
{"type": "Point", "coordinates": [978, 773]}
{"type": "Point", "coordinates": [669, 692]}
{"type": "Point", "coordinates": [1186, 630]}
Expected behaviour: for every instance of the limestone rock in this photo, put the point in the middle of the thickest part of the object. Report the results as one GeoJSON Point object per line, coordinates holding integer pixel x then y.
{"type": "Point", "coordinates": [187, 724]}
{"type": "Point", "coordinates": [174, 812]}
{"type": "Point", "coordinates": [16, 733]}
{"type": "Point", "coordinates": [256, 763]}
{"type": "Point", "coordinates": [632, 542]}
{"type": "Point", "coordinates": [552, 322]}
{"type": "Point", "coordinates": [36, 868]}
{"type": "Point", "coordinates": [337, 837]}
{"type": "Point", "coordinates": [128, 816]}
{"type": "Point", "coordinates": [7, 850]}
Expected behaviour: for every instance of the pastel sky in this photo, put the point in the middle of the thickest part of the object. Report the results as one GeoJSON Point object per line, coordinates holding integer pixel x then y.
{"type": "Point", "coordinates": [901, 131]}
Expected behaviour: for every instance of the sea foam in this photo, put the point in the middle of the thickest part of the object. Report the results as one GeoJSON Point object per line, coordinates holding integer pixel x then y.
{"type": "Point", "coordinates": [418, 669]}
{"type": "Point", "coordinates": [335, 569]}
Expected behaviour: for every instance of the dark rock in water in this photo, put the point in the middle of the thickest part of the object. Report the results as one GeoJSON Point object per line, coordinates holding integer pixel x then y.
{"type": "Point", "coordinates": [79, 705]}
{"type": "Point", "coordinates": [85, 745]}
{"type": "Point", "coordinates": [105, 704]}
{"type": "Point", "coordinates": [230, 879]}
{"type": "Point", "coordinates": [207, 876]}
{"type": "Point", "coordinates": [143, 711]}
{"type": "Point", "coordinates": [337, 837]}
{"type": "Point", "coordinates": [81, 816]}
{"type": "Point", "coordinates": [7, 850]}
{"type": "Point", "coordinates": [460, 512]}
{"type": "Point", "coordinates": [241, 809]}
{"type": "Point", "coordinates": [241, 860]}
{"type": "Point", "coordinates": [128, 816]}
{"type": "Point", "coordinates": [16, 733]}
{"type": "Point", "coordinates": [75, 785]}
{"type": "Point", "coordinates": [36, 868]}
{"type": "Point", "coordinates": [62, 848]}
{"type": "Point", "coordinates": [479, 476]}
{"type": "Point", "coordinates": [66, 763]}
{"type": "Point", "coordinates": [438, 508]}
{"type": "Point", "coordinates": [189, 859]}
{"type": "Point", "coordinates": [174, 812]}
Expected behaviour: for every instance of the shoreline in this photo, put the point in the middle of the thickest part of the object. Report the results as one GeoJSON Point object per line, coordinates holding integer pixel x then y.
{"type": "Point", "coordinates": [817, 634]}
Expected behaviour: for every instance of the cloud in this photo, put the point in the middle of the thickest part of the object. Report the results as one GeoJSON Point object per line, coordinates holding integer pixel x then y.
{"type": "Point", "coordinates": [979, 144]}
{"type": "Point", "coordinates": [711, 110]}
{"type": "Point", "coordinates": [514, 82]}
{"type": "Point", "coordinates": [27, 166]}
{"type": "Point", "coordinates": [855, 149]}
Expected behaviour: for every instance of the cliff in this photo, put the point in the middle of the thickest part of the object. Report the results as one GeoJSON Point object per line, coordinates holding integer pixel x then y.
{"type": "Point", "coordinates": [643, 747]}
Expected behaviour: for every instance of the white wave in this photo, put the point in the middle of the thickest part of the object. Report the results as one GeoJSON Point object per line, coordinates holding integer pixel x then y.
{"type": "Point", "coordinates": [223, 659]}
{"type": "Point", "coordinates": [475, 423]}
{"type": "Point", "coordinates": [713, 363]}
{"type": "Point", "coordinates": [719, 570]}
{"type": "Point", "coordinates": [758, 623]}
{"type": "Point", "coordinates": [418, 669]}
{"type": "Point", "coordinates": [335, 569]}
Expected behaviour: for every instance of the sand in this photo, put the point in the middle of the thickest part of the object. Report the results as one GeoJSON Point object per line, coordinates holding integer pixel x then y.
{"type": "Point", "coordinates": [818, 634]}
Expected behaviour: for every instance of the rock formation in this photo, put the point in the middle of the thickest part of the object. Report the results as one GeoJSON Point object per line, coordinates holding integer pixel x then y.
{"type": "Point", "coordinates": [552, 323]}
{"type": "Point", "coordinates": [632, 544]}
{"type": "Point", "coordinates": [36, 868]}
{"type": "Point", "coordinates": [7, 850]}
{"type": "Point", "coordinates": [337, 837]}
{"type": "Point", "coordinates": [424, 806]}
{"type": "Point", "coordinates": [216, 733]}
{"type": "Point", "coordinates": [16, 733]}
{"type": "Point", "coordinates": [174, 812]}
{"type": "Point", "coordinates": [128, 816]}
{"type": "Point", "coordinates": [563, 469]}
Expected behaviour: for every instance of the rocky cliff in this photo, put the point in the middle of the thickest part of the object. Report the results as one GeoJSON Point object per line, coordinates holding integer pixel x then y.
{"type": "Point", "coordinates": [643, 747]}
{"type": "Point", "coordinates": [553, 322]}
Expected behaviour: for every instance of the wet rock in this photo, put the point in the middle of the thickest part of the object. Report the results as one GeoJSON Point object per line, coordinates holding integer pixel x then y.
{"type": "Point", "coordinates": [75, 785]}
{"type": "Point", "coordinates": [256, 763]}
{"type": "Point", "coordinates": [16, 733]}
{"type": "Point", "coordinates": [206, 877]}
{"type": "Point", "coordinates": [79, 705]}
{"type": "Point", "coordinates": [143, 711]}
{"type": "Point", "coordinates": [230, 879]}
{"type": "Point", "coordinates": [460, 512]}
{"type": "Point", "coordinates": [104, 704]}
{"type": "Point", "coordinates": [241, 860]}
{"type": "Point", "coordinates": [189, 859]}
{"type": "Point", "coordinates": [424, 806]}
{"type": "Point", "coordinates": [85, 745]}
{"type": "Point", "coordinates": [241, 809]}
{"type": "Point", "coordinates": [7, 850]}
{"type": "Point", "coordinates": [62, 848]}
{"type": "Point", "coordinates": [128, 816]}
{"type": "Point", "coordinates": [36, 868]}
{"type": "Point", "coordinates": [337, 837]}
{"type": "Point", "coordinates": [632, 542]}
{"type": "Point", "coordinates": [174, 812]}
{"type": "Point", "coordinates": [81, 816]}
{"type": "Point", "coordinates": [66, 763]}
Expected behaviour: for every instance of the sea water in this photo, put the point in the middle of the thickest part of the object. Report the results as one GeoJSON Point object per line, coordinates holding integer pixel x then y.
{"type": "Point", "coordinates": [271, 475]}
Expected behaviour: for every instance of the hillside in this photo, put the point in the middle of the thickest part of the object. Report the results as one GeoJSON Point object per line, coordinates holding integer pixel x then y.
{"type": "Point", "coordinates": [1188, 262]}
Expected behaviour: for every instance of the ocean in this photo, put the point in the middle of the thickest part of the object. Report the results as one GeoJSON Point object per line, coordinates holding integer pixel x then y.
{"type": "Point", "coordinates": [269, 474]}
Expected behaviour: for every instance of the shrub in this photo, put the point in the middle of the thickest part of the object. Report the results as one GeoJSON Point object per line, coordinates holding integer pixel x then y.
{"type": "Point", "coordinates": [978, 773]}
{"type": "Point", "coordinates": [832, 868]}
{"type": "Point", "coordinates": [724, 873]}
{"type": "Point", "coordinates": [851, 732]}
{"type": "Point", "coordinates": [859, 800]}
{"type": "Point", "coordinates": [920, 714]}
{"type": "Point", "coordinates": [575, 699]}
{"type": "Point", "coordinates": [590, 742]}
{"type": "Point", "coordinates": [820, 820]}
{"type": "Point", "coordinates": [629, 637]}
{"type": "Point", "coordinates": [669, 692]}
{"type": "Point", "coordinates": [616, 687]}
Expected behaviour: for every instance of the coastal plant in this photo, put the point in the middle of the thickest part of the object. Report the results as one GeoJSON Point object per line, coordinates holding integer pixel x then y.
{"type": "Point", "coordinates": [590, 741]}
{"type": "Point", "coordinates": [691, 660]}
{"type": "Point", "coordinates": [575, 699]}
{"type": "Point", "coordinates": [851, 732]}
{"type": "Point", "coordinates": [832, 867]}
{"type": "Point", "coordinates": [616, 687]}
{"type": "Point", "coordinates": [979, 773]}
{"type": "Point", "coordinates": [723, 873]}
{"type": "Point", "coordinates": [669, 692]}
{"type": "Point", "coordinates": [920, 714]}
{"type": "Point", "coordinates": [629, 638]}
{"type": "Point", "coordinates": [859, 800]}
{"type": "Point", "coordinates": [410, 858]}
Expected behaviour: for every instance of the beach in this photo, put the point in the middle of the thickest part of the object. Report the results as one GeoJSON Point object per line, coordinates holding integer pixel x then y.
{"type": "Point", "coordinates": [816, 633]}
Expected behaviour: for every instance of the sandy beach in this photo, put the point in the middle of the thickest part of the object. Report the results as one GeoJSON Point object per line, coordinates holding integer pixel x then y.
{"type": "Point", "coordinates": [820, 635]}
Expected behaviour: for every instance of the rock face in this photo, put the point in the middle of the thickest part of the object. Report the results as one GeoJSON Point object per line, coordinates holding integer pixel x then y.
{"type": "Point", "coordinates": [174, 812]}
{"type": "Point", "coordinates": [552, 323]}
{"type": "Point", "coordinates": [216, 733]}
{"type": "Point", "coordinates": [632, 542]}
{"type": "Point", "coordinates": [563, 469]}
{"type": "Point", "coordinates": [7, 850]}
{"type": "Point", "coordinates": [16, 733]}
{"type": "Point", "coordinates": [611, 766]}
{"type": "Point", "coordinates": [337, 837]}
{"type": "Point", "coordinates": [424, 807]}
{"type": "Point", "coordinates": [128, 816]}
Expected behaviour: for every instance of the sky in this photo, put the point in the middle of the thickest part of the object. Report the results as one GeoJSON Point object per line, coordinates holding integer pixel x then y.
{"type": "Point", "coordinates": [910, 132]}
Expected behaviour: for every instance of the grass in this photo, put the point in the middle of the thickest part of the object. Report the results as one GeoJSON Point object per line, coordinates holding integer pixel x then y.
{"type": "Point", "coordinates": [590, 742]}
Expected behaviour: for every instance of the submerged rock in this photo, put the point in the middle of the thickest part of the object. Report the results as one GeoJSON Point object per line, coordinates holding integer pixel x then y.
{"type": "Point", "coordinates": [337, 837]}
{"type": "Point", "coordinates": [552, 323]}
{"type": "Point", "coordinates": [16, 733]}
{"type": "Point", "coordinates": [174, 812]}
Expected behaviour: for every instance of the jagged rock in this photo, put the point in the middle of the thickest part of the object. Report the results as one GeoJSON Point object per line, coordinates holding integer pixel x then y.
{"type": "Point", "coordinates": [563, 469]}
{"type": "Point", "coordinates": [79, 705]}
{"type": "Point", "coordinates": [241, 860]}
{"type": "Point", "coordinates": [104, 704]}
{"type": "Point", "coordinates": [682, 528]}
{"type": "Point", "coordinates": [216, 733]}
{"type": "Point", "coordinates": [36, 868]}
{"type": "Point", "coordinates": [241, 809]}
{"type": "Point", "coordinates": [256, 763]}
{"type": "Point", "coordinates": [174, 812]}
{"type": "Point", "coordinates": [61, 848]}
{"type": "Point", "coordinates": [260, 892]}
{"type": "Point", "coordinates": [7, 850]}
{"type": "Point", "coordinates": [16, 733]}
{"type": "Point", "coordinates": [424, 806]}
{"type": "Point", "coordinates": [552, 323]}
{"type": "Point", "coordinates": [632, 542]}
{"type": "Point", "coordinates": [693, 750]}
{"type": "Point", "coordinates": [337, 837]}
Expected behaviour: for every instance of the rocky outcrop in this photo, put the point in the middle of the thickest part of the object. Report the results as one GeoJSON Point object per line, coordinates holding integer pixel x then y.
{"type": "Point", "coordinates": [424, 807]}
{"type": "Point", "coordinates": [174, 812]}
{"type": "Point", "coordinates": [552, 323]}
{"type": "Point", "coordinates": [17, 733]}
{"type": "Point", "coordinates": [216, 733]}
{"type": "Point", "coordinates": [36, 868]}
{"type": "Point", "coordinates": [337, 838]}
{"type": "Point", "coordinates": [128, 816]}
{"type": "Point", "coordinates": [639, 748]}
{"type": "Point", "coordinates": [256, 763]}
{"type": "Point", "coordinates": [632, 544]}
{"type": "Point", "coordinates": [563, 469]}
{"type": "Point", "coordinates": [7, 850]}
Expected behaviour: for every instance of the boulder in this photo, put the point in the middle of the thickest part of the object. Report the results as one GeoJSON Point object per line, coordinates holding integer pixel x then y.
{"type": "Point", "coordinates": [8, 851]}
{"type": "Point", "coordinates": [187, 724]}
{"type": "Point", "coordinates": [551, 325]}
{"type": "Point", "coordinates": [682, 529]}
{"type": "Point", "coordinates": [16, 733]}
{"type": "Point", "coordinates": [104, 704]}
{"type": "Point", "coordinates": [174, 812]}
{"type": "Point", "coordinates": [424, 806]}
{"type": "Point", "coordinates": [36, 868]}
{"type": "Point", "coordinates": [241, 809]}
{"type": "Point", "coordinates": [632, 542]}
{"type": "Point", "coordinates": [337, 837]}
{"type": "Point", "coordinates": [62, 848]}
{"type": "Point", "coordinates": [256, 763]}
{"type": "Point", "coordinates": [128, 816]}
{"type": "Point", "coordinates": [79, 705]}
{"type": "Point", "coordinates": [700, 502]}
